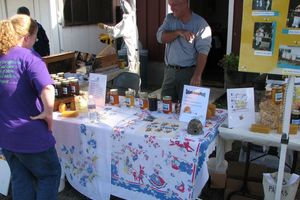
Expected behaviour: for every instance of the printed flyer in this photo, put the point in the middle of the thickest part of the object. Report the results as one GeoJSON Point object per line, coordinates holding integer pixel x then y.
{"type": "Point", "coordinates": [194, 103]}
{"type": "Point", "coordinates": [241, 110]}
{"type": "Point", "coordinates": [97, 88]}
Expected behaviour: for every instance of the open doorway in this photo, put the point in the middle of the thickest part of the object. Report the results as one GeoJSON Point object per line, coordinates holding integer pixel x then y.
{"type": "Point", "coordinates": [215, 12]}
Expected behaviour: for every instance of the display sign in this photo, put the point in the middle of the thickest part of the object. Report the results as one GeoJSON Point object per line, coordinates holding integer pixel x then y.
{"type": "Point", "coordinates": [194, 103]}
{"type": "Point", "coordinates": [97, 88]}
{"type": "Point", "coordinates": [270, 40]}
{"type": "Point", "coordinates": [240, 104]}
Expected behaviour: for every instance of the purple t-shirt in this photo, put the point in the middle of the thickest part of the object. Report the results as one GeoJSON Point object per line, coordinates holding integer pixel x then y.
{"type": "Point", "coordinates": [23, 75]}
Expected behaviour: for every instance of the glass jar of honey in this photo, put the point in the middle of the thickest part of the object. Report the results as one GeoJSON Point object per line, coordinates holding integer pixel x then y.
{"type": "Point", "coordinates": [129, 101]}
{"type": "Point", "coordinates": [167, 104]}
{"type": "Point", "coordinates": [114, 97]}
{"type": "Point", "coordinates": [143, 100]}
{"type": "Point", "coordinates": [74, 86]}
{"type": "Point", "coordinates": [66, 88]}
{"type": "Point", "coordinates": [295, 117]}
{"type": "Point", "coordinates": [152, 98]}
{"type": "Point", "coordinates": [53, 76]}
{"type": "Point", "coordinates": [277, 94]}
{"type": "Point", "coordinates": [58, 89]}
{"type": "Point", "coordinates": [61, 74]}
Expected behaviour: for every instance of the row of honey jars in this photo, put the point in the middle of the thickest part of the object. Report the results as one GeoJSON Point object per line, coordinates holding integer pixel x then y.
{"type": "Point", "coordinates": [145, 101]}
{"type": "Point", "coordinates": [65, 87]}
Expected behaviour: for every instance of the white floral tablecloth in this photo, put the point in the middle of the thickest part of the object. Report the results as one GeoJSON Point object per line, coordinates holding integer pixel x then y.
{"type": "Point", "coordinates": [150, 155]}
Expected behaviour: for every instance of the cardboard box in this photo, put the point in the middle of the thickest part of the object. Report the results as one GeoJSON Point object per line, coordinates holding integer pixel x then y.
{"type": "Point", "coordinates": [217, 180]}
{"type": "Point", "coordinates": [105, 61]}
{"type": "Point", "coordinates": [254, 188]}
{"type": "Point", "coordinates": [63, 62]}
{"type": "Point", "coordinates": [236, 170]}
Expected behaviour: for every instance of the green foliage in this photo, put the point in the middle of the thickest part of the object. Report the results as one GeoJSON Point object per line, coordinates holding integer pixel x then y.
{"type": "Point", "coordinates": [229, 62]}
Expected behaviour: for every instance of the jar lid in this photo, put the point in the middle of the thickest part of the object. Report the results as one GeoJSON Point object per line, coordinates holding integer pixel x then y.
{"type": "Point", "coordinates": [65, 82]}
{"type": "Point", "coordinates": [57, 83]}
{"type": "Point", "coordinates": [296, 112]}
{"type": "Point", "coordinates": [168, 98]}
{"type": "Point", "coordinates": [113, 90]}
{"type": "Point", "coordinates": [143, 94]}
{"type": "Point", "coordinates": [60, 73]}
{"type": "Point", "coordinates": [129, 92]}
{"type": "Point", "coordinates": [152, 96]}
{"type": "Point", "coordinates": [74, 80]}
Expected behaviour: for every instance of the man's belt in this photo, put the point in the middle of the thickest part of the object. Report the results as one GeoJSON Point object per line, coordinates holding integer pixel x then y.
{"type": "Point", "coordinates": [177, 67]}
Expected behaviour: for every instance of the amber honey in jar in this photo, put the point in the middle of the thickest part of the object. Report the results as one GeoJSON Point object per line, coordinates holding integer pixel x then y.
{"type": "Point", "coordinates": [167, 104]}
{"type": "Point", "coordinates": [143, 100]}
{"type": "Point", "coordinates": [53, 76]}
{"type": "Point", "coordinates": [58, 89]}
{"type": "Point", "coordinates": [129, 101]}
{"type": "Point", "coordinates": [61, 74]}
{"type": "Point", "coordinates": [114, 97]}
{"type": "Point", "coordinates": [74, 86]}
{"type": "Point", "coordinates": [295, 117]}
{"type": "Point", "coordinates": [152, 99]}
{"type": "Point", "coordinates": [277, 94]}
{"type": "Point", "coordinates": [66, 88]}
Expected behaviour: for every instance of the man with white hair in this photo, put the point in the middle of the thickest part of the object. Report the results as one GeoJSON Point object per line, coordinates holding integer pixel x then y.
{"type": "Point", "coordinates": [187, 37]}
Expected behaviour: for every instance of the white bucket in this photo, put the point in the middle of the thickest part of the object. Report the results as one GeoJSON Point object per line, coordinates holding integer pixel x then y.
{"type": "Point", "coordinates": [289, 186]}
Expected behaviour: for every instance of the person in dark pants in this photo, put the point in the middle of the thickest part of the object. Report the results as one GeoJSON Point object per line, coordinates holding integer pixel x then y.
{"type": "Point", "coordinates": [187, 37]}
{"type": "Point", "coordinates": [26, 108]}
{"type": "Point", "coordinates": [41, 45]}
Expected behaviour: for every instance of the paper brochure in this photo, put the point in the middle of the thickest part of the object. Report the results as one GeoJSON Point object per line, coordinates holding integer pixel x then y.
{"type": "Point", "coordinates": [241, 110]}
{"type": "Point", "coordinates": [194, 103]}
{"type": "Point", "coordinates": [97, 88]}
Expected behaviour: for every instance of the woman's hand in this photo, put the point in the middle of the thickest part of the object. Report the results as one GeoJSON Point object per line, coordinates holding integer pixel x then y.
{"type": "Point", "coordinates": [47, 117]}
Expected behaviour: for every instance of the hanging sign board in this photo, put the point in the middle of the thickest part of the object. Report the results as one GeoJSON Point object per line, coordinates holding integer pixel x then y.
{"type": "Point", "coordinates": [270, 40]}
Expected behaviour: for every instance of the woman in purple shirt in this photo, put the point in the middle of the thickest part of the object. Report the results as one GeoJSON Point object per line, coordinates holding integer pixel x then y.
{"type": "Point", "coordinates": [26, 104]}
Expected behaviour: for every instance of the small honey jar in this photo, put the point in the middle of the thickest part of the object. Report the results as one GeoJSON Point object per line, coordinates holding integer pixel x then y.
{"type": "Point", "coordinates": [143, 101]}
{"type": "Point", "coordinates": [114, 97]}
{"type": "Point", "coordinates": [167, 104]}
{"type": "Point", "coordinates": [61, 74]}
{"type": "Point", "coordinates": [129, 101]}
{"type": "Point", "coordinates": [295, 117]}
{"type": "Point", "coordinates": [74, 86]}
{"type": "Point", "coordinates": [152, 98]}
{"type": "Point", "coordinates": [66, 88]}
{"type": "Point", "coordinates": [58, 89]}
{"type": "Point", "coordinates": [277, 94]}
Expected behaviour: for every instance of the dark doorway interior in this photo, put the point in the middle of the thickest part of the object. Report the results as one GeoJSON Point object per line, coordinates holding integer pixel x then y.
{"type": "Point", "coordinates": [215, 12]}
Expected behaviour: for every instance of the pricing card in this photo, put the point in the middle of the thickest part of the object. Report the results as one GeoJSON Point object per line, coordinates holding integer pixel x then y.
{"type": "Point", "coordinates": [240, 104]}
{"type": "Point", "coordinates": [97, 88]}
{"type": "Point", "coordinates": [194, 103]}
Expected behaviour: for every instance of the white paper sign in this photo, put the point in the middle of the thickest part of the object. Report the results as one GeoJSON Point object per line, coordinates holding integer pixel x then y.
{"type": "Point", "coordinates": [241, 110]}
{"type": "Point", "coordinates": [97, 88]}
{"type": "Point", "coordinates": [194, 103]}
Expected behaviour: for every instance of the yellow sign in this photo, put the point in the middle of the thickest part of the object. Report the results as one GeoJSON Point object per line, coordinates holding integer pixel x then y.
{"type": "Point", "coordinates": [270, 40]}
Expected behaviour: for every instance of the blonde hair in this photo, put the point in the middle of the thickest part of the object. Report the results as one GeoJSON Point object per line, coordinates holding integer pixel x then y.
{"type": "Point", "coordinates": [14, 29]}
